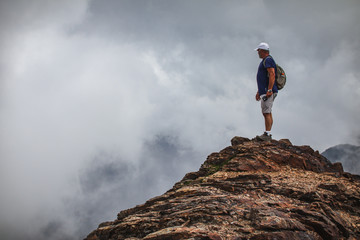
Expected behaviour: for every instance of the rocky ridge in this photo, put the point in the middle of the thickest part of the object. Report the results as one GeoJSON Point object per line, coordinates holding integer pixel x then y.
{"type": "Point", "coordinates": [250, 190]}
{"type": "Point", "coordinates": [347, 154]}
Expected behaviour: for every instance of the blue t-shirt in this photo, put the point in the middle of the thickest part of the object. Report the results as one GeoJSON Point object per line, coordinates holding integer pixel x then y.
{"type": "Point", "coordinates": [262, 75]}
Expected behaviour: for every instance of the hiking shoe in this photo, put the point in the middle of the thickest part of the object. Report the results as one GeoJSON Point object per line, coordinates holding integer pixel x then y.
{"type": "Point", "coordinates": [265, 137]}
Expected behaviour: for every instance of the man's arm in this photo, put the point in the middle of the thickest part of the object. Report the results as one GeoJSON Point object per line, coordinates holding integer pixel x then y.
{"type": "Point", "coordinates": [271, 72]}
{"type": "Point", "coordinates": [257, 96]}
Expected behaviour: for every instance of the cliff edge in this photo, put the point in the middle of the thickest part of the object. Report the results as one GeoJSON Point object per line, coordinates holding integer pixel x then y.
{"type": "Point", "coordinates": [250, 190]}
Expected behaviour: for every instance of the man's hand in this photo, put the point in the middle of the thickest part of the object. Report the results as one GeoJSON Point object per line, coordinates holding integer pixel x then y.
{"type": "Point", "coordinates": [268, 94]}
{"type": "Point", "coordinates": [257, 97]}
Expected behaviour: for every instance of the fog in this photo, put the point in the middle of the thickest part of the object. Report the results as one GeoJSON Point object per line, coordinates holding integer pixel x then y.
{"type": "Point", "coordinates": [104, 104]}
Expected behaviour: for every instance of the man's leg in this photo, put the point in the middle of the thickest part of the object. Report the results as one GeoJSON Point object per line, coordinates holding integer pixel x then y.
{"type": "Point", "coordinates": [266, 110]}
{"type": "Point", "coordinates": [268, 121]}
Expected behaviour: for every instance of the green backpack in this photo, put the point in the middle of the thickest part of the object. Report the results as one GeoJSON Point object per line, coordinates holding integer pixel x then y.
{"type": "Point", "coordinates": [280, 76]}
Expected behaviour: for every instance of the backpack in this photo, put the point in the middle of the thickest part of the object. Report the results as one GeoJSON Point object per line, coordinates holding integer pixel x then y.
{"type": "Point", "coordinates": [280, 76]}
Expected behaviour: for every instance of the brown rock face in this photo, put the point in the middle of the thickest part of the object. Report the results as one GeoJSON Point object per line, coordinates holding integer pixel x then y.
{"type": "Point", "coordinates": [250, 190]}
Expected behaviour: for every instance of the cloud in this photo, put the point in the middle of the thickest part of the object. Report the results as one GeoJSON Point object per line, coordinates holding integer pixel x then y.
{"type": "Point", "coordinates": [109, 184]}
{"type": "Point", "coordinates": [99, 97]}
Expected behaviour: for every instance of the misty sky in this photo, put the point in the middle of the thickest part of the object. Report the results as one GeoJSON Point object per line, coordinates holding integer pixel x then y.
{"type": "Point", "coordinates": [106, 103]}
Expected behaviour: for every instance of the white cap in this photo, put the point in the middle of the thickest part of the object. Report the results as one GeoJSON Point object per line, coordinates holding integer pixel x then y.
{"type": "Point", "coordinates": [263, 46]}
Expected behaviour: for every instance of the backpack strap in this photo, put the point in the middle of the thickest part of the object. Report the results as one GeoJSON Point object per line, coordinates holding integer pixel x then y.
{"type": "Point", "coordinates": [265, 59]}
{"type": "Point", "coordinates": [276, 70]}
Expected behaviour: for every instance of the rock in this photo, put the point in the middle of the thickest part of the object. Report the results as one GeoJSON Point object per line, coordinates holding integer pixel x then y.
{"type": "Point", "coordinates": [249, 190]}
{"type": "Point", "coordinates": [238, 141]}
{"type": "Point", "coordinates": [285, 142]}
{"type": "Point", "coordinates": [348, 155]}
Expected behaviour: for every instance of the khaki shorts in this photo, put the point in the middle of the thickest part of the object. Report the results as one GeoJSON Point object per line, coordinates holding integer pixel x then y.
{"type": "Point", "coordinates": [266, 106]}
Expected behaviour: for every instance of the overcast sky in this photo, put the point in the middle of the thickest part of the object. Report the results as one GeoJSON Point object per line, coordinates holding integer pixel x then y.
{"type": "Point", "coordinates": [104, 104]}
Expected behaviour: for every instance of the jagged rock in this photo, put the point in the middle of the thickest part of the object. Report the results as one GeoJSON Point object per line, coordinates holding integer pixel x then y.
{"type": "Point", "coordinates": [250, 190]}
{"type": "Point", "coordinates": [348, 155]}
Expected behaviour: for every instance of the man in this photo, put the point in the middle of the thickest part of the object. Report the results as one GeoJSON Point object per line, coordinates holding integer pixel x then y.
{"type": "Point", "coordinates": [267, 89]}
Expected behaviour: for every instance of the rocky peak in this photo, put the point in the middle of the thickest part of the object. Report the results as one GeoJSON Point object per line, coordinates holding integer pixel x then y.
{"type": "Point", "coordinates": [348, 155]}
{"type": "Point", "coordinates": [250, 190]}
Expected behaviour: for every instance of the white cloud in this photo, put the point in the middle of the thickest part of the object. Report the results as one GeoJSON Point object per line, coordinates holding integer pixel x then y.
{"type": "Point", "coordinates": [126, 78]}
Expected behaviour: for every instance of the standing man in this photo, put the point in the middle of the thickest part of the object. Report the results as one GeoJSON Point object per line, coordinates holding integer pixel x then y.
{"type": "Point", "coordinates": [267, 89]}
